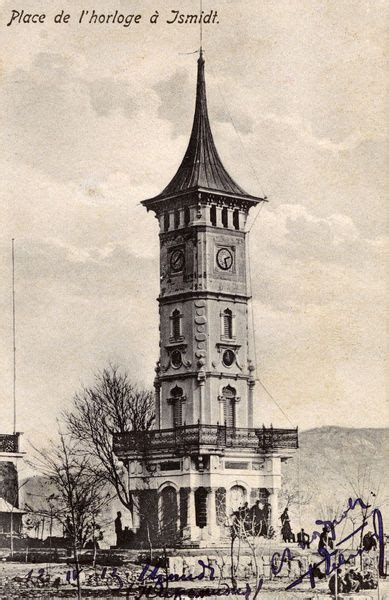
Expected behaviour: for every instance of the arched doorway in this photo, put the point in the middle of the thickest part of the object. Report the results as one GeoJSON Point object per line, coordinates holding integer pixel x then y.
{"type": "Point", "coordinates": [221, 508]}
{"type": "Point", "coordinates": [237, 497]}
{"type": "Point", "coordinates": [168, 512]}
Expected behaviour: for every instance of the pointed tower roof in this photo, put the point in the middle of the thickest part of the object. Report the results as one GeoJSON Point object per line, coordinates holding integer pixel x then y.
{"type": "Point", "coordinates": [201, 168]}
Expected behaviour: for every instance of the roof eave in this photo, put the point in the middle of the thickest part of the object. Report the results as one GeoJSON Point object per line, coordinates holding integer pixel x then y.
{"type": "Point", "coordinates": [153, 203]}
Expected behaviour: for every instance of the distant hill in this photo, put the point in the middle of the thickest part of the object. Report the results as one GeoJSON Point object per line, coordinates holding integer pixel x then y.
{"type": "Point", "coordinates": [335, 463]}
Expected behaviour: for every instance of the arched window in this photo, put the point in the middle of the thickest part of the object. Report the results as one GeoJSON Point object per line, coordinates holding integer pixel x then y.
{"type": "Point", "coordinates": [235, 218]}
{"type": "Point", "coordinates": [212, 215]}
{"type": "Point", "coordinates": [186, 216]}
{"type": "Point", "coordinates": [201, 507]}
{"type": "Point", "coordinates": [168, 510]}
{"type": "Point", "coordinates": [227, 324]}
{"type": "Point", "coordinates": [221, 506]}
{"type": "Point", "coordinates": [176, 324]}
{"type": "Point", "coordinates": [225, 217]}
{"type": "Point", "coordinates": [229, 401]}
{"type": "Point", "coordinates": [176, 219]}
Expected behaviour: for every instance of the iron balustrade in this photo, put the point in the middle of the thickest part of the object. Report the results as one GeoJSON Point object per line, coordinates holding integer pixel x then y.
{"type": "Point", "coordinates": [193, 438]}
{"type": "Point", "coordinates": [9, 442]}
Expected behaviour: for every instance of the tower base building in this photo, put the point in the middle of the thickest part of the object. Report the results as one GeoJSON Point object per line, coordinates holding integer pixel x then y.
{"type": "Point", "coordinates": [205, 462]}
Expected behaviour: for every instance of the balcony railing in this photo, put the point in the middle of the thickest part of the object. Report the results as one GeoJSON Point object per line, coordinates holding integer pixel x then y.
{"type": "Point", "coordinates": [191, 439]}
{"type": "Point", "coordinates": [9, 442]}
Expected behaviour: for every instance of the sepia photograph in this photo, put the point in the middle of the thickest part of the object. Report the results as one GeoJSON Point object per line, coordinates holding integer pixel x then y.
{"type": "Point", "coordinates": [193, 293]}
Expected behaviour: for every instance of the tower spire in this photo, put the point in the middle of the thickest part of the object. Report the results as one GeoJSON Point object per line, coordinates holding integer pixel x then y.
{"type": "Point", "coordinates": [201, 168]}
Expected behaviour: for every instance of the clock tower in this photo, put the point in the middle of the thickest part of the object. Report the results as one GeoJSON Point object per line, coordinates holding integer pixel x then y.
{"type": "Point", "coordinates": [205, 456]}
{"type": "Point", "coordinates": [205, 372]}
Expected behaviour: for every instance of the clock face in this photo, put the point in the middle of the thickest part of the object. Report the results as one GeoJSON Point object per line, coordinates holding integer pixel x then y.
{"type": "Point", "coordinates": [177, 260]}
{"type": "Point", "coordinates": [224, 259]}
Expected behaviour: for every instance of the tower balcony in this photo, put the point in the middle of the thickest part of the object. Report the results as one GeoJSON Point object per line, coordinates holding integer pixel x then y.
{"type": "Point", "coordinates": [203, 439]}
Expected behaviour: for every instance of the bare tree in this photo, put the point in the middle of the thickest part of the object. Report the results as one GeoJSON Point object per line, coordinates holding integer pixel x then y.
{"type": "Point", "coordinates": [364, 482]}
{"type": "Point", "coordinates": [291, 496]}
{"type": "Point", "coordinates": [249, 531]}
{"type": "Point", "coordinates": [112, 405]}
{"type": "Point", "coordinates": [81, 494]}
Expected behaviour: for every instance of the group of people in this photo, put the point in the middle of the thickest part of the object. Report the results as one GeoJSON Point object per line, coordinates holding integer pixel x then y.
{"type": "Point", "coordinates": [253, 520]}
{"type": "Point", "coordinates": [347, 581]}
{"type": "Point", "coordinates": [288, 536]}
{"type": "Point", "coordinates": [351, 581]}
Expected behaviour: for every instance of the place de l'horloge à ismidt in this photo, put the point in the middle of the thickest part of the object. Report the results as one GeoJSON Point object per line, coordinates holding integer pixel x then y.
{"type": "Point", "coordinates": [205, 481]}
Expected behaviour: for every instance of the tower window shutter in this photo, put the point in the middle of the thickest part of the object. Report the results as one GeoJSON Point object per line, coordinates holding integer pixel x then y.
{"type": "Point", "coordinates": [229, 398]}
{"type": "Point", "coordinates": [177, 413]}
{"type": "Point", "coordinates": [227, 323]}
{"type": "Point", "coordinates": [176, 324]}
{"type": "Point", "coordinates": [230, 416]}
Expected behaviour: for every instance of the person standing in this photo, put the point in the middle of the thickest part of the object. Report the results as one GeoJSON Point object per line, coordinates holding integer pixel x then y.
{"type": "Point", "coordinates": [118, 528]}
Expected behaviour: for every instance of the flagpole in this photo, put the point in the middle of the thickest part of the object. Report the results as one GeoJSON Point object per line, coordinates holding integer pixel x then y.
{"type": "Point", "coordinates": [14, 335]}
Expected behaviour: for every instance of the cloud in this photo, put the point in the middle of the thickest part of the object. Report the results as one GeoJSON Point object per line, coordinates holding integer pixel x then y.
{"type": "Point", "coordinates": [177, 96]}
{"type": "Point", "coordinates": [304, 129]}
{"type": "Point", "coordinates": [176, 101]}
{"type": "Point", "coordinates": [307, 261]}
{"type": "Point", "coordinates": [108, 95]}
{"type": "Point", "coordinates": [66, 125]}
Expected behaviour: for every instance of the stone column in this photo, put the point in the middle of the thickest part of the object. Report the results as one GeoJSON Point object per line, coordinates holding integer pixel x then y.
{"type": "Point", "coordinates": [200, 211]}
{"type": "Point", "coordinates": [228, 504]}
{"type": "Point", "coordinates": [218, 216]}
{"type": "Point", "coordinates": [213, 529]}
{"type": "Point", "coordinates": [222, 416]}
{"type": "Point", "coordinates": [201, 380]}
{"type": "Point", "coordinates": [207, 214]}
{"type": "Point", "coordinates": [183, 410]}
{"type": "Point", "coordinates": [191, 532]}
{"type": "Point", "coordinates": [230, 217]}
{"type": "Point", "coordinates": [242, 220]}
{"type": "Point", "coordinates": [250, 399]}
{"type": "Point", "coordinates": [157, 397]}
{"type": "Point", "coordinates": [274, 511]}
{"type": "Point", "coordinates": [171, 220]}
{"type": "Point", "coordinates": [191, 508]}
{"type": "Point", "coordinates": [182, 217]}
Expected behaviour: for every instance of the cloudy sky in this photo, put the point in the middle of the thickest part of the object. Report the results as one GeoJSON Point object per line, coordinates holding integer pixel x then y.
{"type": "Point", "coordinates": [96, 118]}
